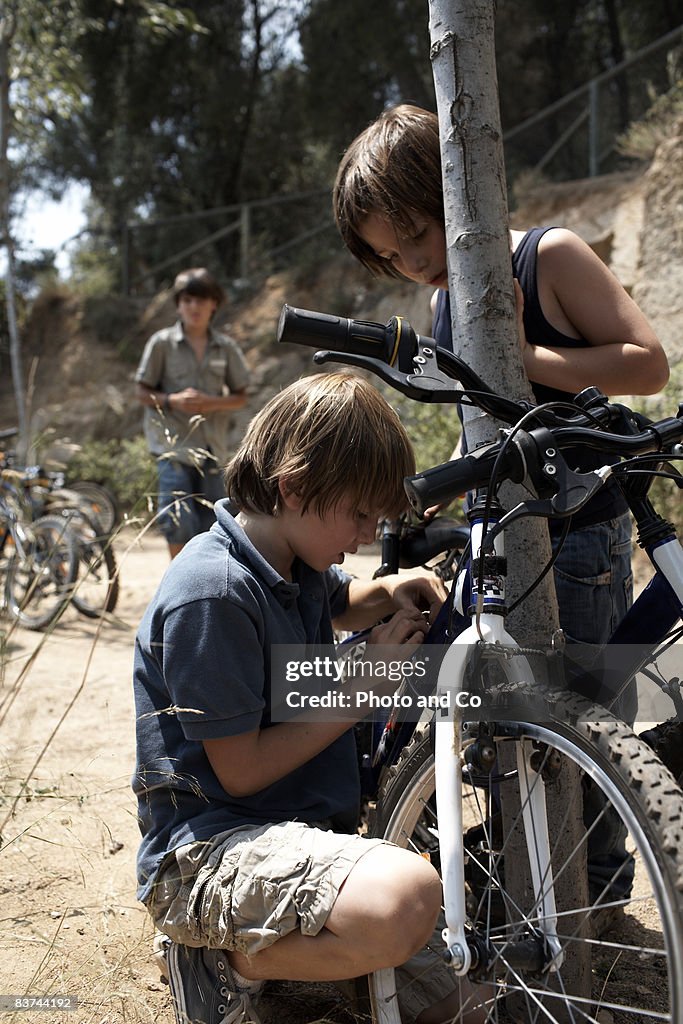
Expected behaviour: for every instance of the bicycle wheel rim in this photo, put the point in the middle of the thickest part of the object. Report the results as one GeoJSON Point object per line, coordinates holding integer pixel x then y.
{"type": "Point", "coordinates": [656, 842]}
{"type": "Point", "coordinates": [97, 590]}
{"type": "Point", "coordinates": [102, 503]}
{"type": "Point", "coordinates": [39, 584]}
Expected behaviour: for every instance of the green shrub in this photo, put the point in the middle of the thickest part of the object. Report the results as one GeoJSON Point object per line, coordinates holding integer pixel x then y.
{"type": "Point", "coordinates": [125, 467]}
{"type": "Point", "coordinates": [433, 429]}
{"type": "Point", "coordinates": [642, 137]}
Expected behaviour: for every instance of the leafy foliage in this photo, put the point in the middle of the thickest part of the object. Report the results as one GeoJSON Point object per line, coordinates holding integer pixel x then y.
{"type": "Point", "coordinates": [125, 467]}
{"type": "Point", "coordinates": [173, 112]}
{"type": "Point", "coordinates": [434, 430]}
{"type": "Point", "coordinates": [643, 137]}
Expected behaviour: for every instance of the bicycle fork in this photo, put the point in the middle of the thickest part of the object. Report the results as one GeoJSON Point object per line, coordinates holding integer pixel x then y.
{"type": "Point", "coordinates": [489, 628]}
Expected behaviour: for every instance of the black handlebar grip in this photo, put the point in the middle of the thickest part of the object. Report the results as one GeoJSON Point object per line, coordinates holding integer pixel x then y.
{"type": "Point", "coordinates": [441, 484]}
{"type": "Point", "coordinates": [322, 330]}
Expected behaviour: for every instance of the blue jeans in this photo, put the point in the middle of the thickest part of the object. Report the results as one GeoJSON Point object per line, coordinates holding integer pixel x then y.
{"type": "Point", "coordinates": [593, 580]}
{"type": "Point", "coordinates": [182, 517]}
{"type": "Point", "coordinates": [594, 585]}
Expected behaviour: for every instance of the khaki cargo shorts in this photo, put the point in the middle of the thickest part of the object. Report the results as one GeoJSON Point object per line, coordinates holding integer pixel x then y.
{"type": "Point", "coordinates": [245, 889]}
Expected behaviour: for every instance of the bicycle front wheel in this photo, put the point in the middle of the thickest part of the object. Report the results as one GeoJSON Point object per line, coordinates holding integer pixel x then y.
{"type": "Point", "coordinates": [97, 590]}
{"type": "Point", "coordinates": [635, 938]}
{"type": "Point", "coordinates": [40, 578]}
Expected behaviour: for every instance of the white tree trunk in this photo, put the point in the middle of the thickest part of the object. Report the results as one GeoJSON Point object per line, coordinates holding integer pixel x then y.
{"type": "Point", "coordinates": [479, 262]}
{"type": "Point", "coordinates": [484, 329]}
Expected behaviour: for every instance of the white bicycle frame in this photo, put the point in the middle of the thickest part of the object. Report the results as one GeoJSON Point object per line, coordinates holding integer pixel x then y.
{"type": "Point", "coordinates": [667, 559]}
{"type": "Point", "coordinates": [490, 628]}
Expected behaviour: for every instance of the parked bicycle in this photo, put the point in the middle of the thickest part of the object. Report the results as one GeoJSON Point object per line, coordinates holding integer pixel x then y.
{"type": "Point", "coordinates": [461, 790]}
{"type": "Point", "coordinates": [89, 511]}
{"type": "Point", "coordinates": [39, 561]}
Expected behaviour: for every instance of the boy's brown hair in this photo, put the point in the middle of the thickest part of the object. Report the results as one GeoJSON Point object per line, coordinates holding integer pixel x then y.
{"type": "Point", "coordinates": [393, 168]}
{"type": "Point", "coordinates": [333, 437]}
{"type": "Point", "coordinates": [200, 282]}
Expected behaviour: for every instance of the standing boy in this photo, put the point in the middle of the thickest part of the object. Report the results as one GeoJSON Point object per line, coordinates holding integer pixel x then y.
{"type": "Point", "coordinates": [190, 379]}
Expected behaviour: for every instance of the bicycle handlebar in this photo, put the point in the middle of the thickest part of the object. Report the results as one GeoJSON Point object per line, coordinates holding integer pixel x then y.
{"type": "Point", "coordinates": [443, 483]}
{"type": "Point", "coordinates": [409, 362]}
{"type": "Point", "coordinates": [415, 365]}
{"type": "Point", "coordinates": [306, 327]}
{"type": "Point", "coordinates": [423, 371]}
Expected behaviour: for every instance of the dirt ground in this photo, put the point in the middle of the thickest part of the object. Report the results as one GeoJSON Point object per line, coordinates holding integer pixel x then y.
{"type": "Point", "coordinates": [69, 921]}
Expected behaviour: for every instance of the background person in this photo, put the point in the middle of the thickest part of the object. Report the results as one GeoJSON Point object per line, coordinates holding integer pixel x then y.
{"type": "Point", "coordinates": [190, 370]}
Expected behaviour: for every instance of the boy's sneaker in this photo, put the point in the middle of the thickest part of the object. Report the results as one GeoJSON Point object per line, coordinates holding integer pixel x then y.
{"type": "Point", "coordinates": [159, 952]}
{"type": "Point", "coordinates": [607, 918]}
{"type": "Point", "coordinates": [203, 987]}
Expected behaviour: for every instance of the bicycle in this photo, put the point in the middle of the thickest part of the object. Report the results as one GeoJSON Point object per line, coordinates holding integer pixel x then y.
{"type": "Point", "coordinates": [102, 506]}
{"type": "Point", "coordinates": [86, 507]}
{"type": "Point", "coordinates": [39, 560]}
{"type": "Point", "coordinates": [447, 788]}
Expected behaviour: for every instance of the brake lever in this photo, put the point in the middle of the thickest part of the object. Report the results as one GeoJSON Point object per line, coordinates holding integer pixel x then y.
{"type": "Point", "coordinates": [427, 375]}
{"type": "Point", "coordinates": [561, 505]}
{"type": "Point", "coordinates": [418, 386]}
{"type": "Point", "coordinates": [566, 490]}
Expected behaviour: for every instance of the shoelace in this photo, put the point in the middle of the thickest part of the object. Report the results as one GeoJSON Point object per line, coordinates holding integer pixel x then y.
{"type": "Point", "coordinates": [241, 1010]}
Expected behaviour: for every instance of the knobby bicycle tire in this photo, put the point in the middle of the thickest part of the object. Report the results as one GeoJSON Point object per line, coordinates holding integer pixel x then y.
{"type": "Point", "coordinates": [636, 965]}
{"type": "Point", "coordinates": [40, 585]}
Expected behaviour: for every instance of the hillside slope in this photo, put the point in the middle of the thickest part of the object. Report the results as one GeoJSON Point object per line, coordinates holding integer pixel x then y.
{"type": "Point", "coordinates": [82, 383]}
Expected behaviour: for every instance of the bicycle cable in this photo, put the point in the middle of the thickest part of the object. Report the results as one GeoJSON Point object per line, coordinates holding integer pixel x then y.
{"type": "Point", "coordinates": [548, 566]}
{"type": "Point", "coordinates": [529, 415]}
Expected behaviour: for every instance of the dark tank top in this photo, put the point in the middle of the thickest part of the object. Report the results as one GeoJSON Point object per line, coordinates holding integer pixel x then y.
{"type": "Point", "coordinates": [609, 501]}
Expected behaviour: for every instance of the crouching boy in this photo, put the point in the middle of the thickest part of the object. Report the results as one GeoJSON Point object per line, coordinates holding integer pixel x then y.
{"type": "Point", "coordinates": [250, 863]}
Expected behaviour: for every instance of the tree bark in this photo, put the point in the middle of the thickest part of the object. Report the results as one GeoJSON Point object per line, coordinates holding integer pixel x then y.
{"type": "Point", "coordinates": [481, 290]}
{"type": "Point", "coordinates": [7, 29]}
{"type": "Point", "coordinates": [484, 327]}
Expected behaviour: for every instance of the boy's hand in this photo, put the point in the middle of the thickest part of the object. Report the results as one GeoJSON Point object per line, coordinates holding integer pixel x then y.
{"type": "Point", "coordinates": [189, 401]}
{"type": "Point", "coordinates": [405, 627]}
{"type": "Point", "coordinates": [417, 593]}
{"type": "Point", "coordinates": [373, 600]}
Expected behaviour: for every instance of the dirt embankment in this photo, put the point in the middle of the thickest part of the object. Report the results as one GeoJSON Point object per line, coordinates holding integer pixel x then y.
{"type": "Point", "coordinates": [81, 354]}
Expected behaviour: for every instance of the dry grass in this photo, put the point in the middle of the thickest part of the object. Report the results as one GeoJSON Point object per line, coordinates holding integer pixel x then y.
{"type": "Point", "coordinates": [70, 924]}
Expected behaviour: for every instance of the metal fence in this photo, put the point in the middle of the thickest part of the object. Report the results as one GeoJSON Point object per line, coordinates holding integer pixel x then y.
{"type": "Point", "coordinates": [254, 240]}
{"type": "Point", "coordinates": [574, 137]}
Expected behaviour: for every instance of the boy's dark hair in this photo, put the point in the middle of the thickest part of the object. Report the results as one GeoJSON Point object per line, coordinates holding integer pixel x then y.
{"type": "Point", "coordinates": [197, 281]}
{"type": "Point", "coordinates": [393, 168]}
{"type": "Point", "coordinates": [333, 437]}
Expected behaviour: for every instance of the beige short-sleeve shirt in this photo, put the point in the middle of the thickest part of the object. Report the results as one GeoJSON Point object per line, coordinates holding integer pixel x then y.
{"type": "Point", "coordinates": [169, 364]}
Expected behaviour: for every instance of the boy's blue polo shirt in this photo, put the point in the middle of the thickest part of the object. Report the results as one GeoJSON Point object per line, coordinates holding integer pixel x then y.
{"type": "Point", "coordinates": [202, 670]}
